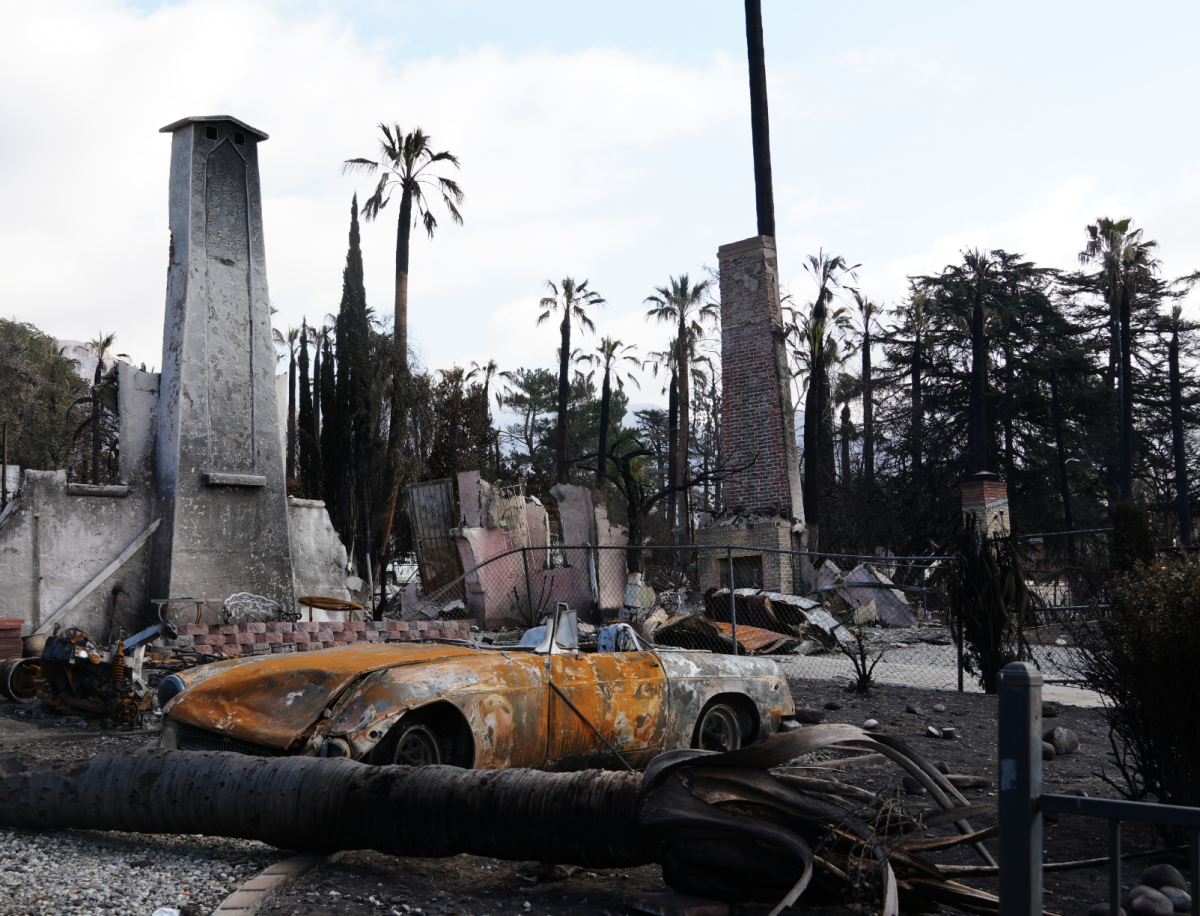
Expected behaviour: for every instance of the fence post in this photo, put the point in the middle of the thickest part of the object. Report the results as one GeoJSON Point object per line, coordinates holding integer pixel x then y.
{"type": "Point", "coordinates": [732, 603]}
{"type": "Point", "coordinates": [1020, 741]}
{"type": "Point", "coordinates": [528, 587]}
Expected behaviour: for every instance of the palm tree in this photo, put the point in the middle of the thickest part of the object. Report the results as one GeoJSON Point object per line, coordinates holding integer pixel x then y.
{"type": "Point", "coordinates": [609, 355]}
{"type": "Point", "coordinates": [403, 160]}
{"type": "Point", "coordinates": [681, 302]}
{"type": "Point", "coordinates": [867, 311]}
{"type": "Point", "coordinates": [667, 361]}
{"type": "Point", "coordinates": [572, 302]}
{"type": "Point", "coordinates": [980, 271]}
{"type": "Point", "coordinates": [1125, 262]}
{"type": "Point", "coordinates": [487, 372]}
{"type": "Point", "coordinates": [100, 345]}
{"type": "Point", "coordinates": [830, 273]}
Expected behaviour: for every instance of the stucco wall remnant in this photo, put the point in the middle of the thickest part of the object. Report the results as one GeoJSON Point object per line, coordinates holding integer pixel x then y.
{"type": "Point", "coordinates": [53, 543]}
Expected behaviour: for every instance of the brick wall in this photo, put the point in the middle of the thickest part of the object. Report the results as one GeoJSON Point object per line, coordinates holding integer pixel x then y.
{"type": "Point", "coordinates": [748, 540]}
{"type": "Point", "coordinates": [303, 636]}
{"type": "Point", "coordinates": [758, 415]}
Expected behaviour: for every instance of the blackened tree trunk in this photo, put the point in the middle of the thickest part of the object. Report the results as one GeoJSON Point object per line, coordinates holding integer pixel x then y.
{"type": "Point", "coordinates": [978, 409]}
{"type": "Point", "coordinates": [868, 412]}
{"type": "Point", "coordinates": [846, 432]}
{"type": "Point", "coordinates": [812, 455]}
{"type": "Point", "coordinates": [564, 392]}
{"type": "Point", "coordinates": [318, 339]}
{"type": "Point", "coordinates": [759, 128]}
{"type": "Point", "coordinates": [97, 419]}
{"type": "Point", "coordinates": [917, 422]}
{"type": "Point", "coordinates": [329, 426]}
{"type": "Point", "coordinates": [308, 444]}
{"type": "Point", "coordinates": [602, 451]}
{"type": "Point", "coordinates": [1063, 481]}
{"type": "Point", "coordinates": [684, 397]}
{"type": "Point", "coordinates": [1179, 447]}
{"type": "Point", "coordinates": [672, 453]}
{"type": "Point", "coordinates": [1126, 431]}
{"type": "Point", "coordinates": [291, 417]}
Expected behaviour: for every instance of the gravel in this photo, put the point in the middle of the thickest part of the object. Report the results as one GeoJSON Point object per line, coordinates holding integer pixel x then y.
{"type": "Point", "coordinates": [104, 874]}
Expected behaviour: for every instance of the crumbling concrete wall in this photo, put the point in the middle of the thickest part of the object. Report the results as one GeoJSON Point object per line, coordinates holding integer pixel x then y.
{"type": "Point", "coordinates": [318, 554]}
{"type": "Point", "coordinates": [56, 537]}
{"type": "Point", "coordinates": [137, 393]}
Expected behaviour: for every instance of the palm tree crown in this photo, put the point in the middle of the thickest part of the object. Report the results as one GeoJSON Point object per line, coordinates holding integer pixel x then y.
{"type": "Point", "coordinates": [571, 300]}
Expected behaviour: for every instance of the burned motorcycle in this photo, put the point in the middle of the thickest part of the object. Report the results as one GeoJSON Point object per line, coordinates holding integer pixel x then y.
{"type": "Point", "coordinates": [73, 673]}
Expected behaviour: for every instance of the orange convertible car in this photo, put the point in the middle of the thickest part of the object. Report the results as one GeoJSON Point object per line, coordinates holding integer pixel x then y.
{"type": "Point", "coordinates": [556, 705]}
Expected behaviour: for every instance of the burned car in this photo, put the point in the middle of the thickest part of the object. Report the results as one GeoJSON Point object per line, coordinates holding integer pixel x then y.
{"type": "Point", "coordinates": [557, 705]}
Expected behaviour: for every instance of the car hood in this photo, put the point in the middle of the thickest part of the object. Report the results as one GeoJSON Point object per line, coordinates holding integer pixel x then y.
{"type": "Point", "coordinates": [273, 701]}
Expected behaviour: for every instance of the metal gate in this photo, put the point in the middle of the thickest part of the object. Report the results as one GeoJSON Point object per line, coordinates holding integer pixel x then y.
{"type": "Point", "coordinates": [433, 511]}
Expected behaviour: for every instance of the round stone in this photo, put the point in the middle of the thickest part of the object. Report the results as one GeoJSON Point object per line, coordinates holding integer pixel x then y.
{"type": "Point", "coordinates": [1049, 711]}
{"type": "Point", "coordinates": [933, 731]}
{"type": "Point", "coordinates": [915, 710]}
{"type": "Point", "coordinates": [942, 767]}
{"type": "Point", "coordinates": [871, 724]}
{"type": "Point", "coordinates": [1146, 901]}
{"type": "Point", "coordinates": [833, 705]}
{"type": "Point", "coordinates": [1047, 751]}
{"type": "Point", "coordinates": [808, 715]}
{"type": "Point", "coordinates": [1063, 740]}
{"type": "Point", "coordinates": [938, 707]}
{"type": "Point", "coordinates": [949, 732]}
{"type": "Point", "coordinates": [911, 786]}
{"type": "Point", "coordinates": [1181, 899]}
{"type": "Point", "coordinates": [1163, 875]}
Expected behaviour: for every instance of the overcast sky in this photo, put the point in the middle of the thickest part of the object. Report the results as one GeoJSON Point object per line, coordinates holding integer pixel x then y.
{"type": "Point", "coordinates": [607, 141]}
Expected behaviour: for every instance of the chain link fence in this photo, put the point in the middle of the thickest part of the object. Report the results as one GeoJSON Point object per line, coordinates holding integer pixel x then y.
{"type": "Point", "coordinates": [819, 616]}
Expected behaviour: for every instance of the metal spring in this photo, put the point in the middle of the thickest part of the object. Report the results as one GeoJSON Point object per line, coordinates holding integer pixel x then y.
{"type": "Point", "coordinates": [118, 666]}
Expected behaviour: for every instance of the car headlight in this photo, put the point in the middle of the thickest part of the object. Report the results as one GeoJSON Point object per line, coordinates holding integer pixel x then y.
{"type": "Point", "coordinates": [169, 737]}
{"type": "Point", "coordinates": [335, 747]}
{"type": "Point", "coordinates": [172, 685]}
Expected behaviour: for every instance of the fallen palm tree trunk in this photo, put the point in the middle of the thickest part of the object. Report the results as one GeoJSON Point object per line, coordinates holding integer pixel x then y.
{"type": "Point", "coordinates": [721, 825]}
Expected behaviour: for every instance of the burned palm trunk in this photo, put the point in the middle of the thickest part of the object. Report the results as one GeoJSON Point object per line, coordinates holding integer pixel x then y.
{"type": "Point", "coordinates": [323, 805]}
{"type": "Point", "coordinates": [721, 825]}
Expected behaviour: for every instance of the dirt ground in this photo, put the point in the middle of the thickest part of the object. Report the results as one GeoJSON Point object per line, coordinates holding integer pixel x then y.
{"type": "Point", "coordinates": [368, 882]}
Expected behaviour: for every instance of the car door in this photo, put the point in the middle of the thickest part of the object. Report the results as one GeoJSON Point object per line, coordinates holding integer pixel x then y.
{"type": "Point", "coordinates": [605, 702]}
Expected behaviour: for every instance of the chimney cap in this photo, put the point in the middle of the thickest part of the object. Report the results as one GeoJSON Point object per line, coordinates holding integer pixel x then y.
{"type": "Point", "coordinates": [208, 119]}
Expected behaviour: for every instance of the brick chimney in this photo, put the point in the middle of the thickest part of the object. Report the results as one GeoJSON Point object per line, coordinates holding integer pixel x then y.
{"type": "Point", "coordinates": [985, 496]}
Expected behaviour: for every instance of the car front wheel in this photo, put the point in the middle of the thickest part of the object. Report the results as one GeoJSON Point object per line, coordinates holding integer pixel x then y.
{"type": "Point", "coordinates": [416, 746]}
{"type": "Point", "coordinates": [720, 729]}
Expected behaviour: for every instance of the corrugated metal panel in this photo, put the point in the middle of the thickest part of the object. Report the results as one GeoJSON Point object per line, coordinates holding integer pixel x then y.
{"type": "Point", "coordinates": [433, 511]}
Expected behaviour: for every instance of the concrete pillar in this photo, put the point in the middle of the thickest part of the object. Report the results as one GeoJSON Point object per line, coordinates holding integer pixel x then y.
{"type": "Point", "coordinates": [759, 418]}
{"type": "Point", "coordinates": [219, 476]}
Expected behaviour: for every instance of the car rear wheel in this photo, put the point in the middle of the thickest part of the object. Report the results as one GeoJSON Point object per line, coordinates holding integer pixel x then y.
{"type": "Point", "coordinates": [416, 746]}
{"type": "Point", "coordinates": [720, 729]}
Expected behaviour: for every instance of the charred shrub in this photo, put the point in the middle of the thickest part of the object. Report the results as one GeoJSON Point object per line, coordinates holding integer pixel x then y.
{"type": "Point", "coordinates": [1140, 654]}
{"type": "Point", "coordinates": [1133, 538]}
{"type": "Point", "coordinates": [989, 601]}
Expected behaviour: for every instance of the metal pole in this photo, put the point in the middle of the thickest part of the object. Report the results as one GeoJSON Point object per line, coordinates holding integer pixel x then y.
{"type": "Point", "coordinates": [4, 478]}
{"type": "Point", "coordinates": [1114, 866]}
{"type": "Point", "coordinates": [1194, 858]}
{"type": "Point", "coordinates": [959, 642]}
{"type": "Point", "coordinates": [528, 587]}
{"type": "Point", "coordinates": [1020, 727]}
{"type": "Point", "coordinates": [732, 603]}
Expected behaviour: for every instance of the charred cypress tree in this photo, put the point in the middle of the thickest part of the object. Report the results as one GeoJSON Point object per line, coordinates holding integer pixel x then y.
{"type": "Point", "coordinates": [330, 456]}
{"type": "Point", "coordinates": [308, 445]}
{"type": "Point", "coordinates": [291, 416]}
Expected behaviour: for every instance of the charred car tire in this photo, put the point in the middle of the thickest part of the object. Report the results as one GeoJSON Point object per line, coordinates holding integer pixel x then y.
{"type": "Point", "coordinates": [719, 729]}
{"type": "Point", "coordinates": [16, 680]}
{"type": "Point", "coordinates": [415, 745]}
